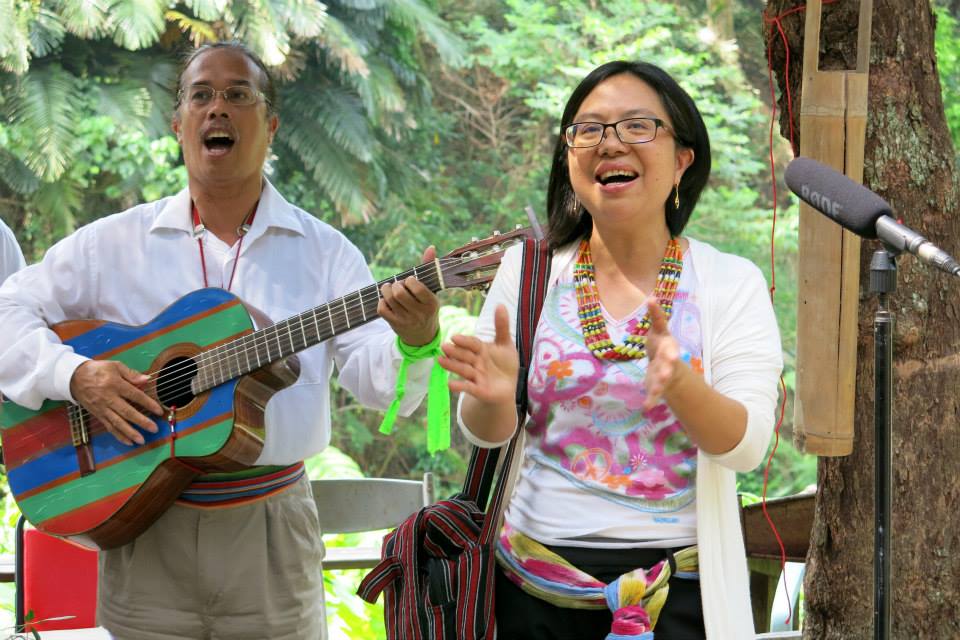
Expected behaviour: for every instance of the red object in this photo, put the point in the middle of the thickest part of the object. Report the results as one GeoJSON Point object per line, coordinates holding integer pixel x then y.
{"type": "Point", "coordinates": [59, 579]}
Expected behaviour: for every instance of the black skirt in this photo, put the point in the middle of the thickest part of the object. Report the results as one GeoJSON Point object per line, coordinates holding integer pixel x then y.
{"type": "Point", "coordinates": [524, 617]}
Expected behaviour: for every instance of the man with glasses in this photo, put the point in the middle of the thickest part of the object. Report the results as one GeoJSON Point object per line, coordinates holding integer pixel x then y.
{"type": "Point", "coordinates": [238, 556]}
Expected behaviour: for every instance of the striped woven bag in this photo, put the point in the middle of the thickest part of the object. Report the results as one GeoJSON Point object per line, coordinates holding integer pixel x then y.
{"type": "Point", "coordinates": [437, 567]}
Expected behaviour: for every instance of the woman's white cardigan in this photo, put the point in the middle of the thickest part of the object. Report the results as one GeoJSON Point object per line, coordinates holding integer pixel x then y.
{"type": "Point", "coordinates": [741, 359]}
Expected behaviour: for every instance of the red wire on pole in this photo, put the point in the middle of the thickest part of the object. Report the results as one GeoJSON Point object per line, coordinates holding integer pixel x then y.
{"type": "Point", "coordinates": [775, 22]}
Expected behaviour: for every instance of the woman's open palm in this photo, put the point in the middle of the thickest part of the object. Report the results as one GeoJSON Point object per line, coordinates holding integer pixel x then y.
{"type": "Point", "coordinates": [485, 370]}
{"type": "Point", "coordinates": [663, 353]}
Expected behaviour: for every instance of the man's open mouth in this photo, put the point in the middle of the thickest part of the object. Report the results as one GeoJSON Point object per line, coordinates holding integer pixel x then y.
{"type": "Point", "coordinates": [218, 142]}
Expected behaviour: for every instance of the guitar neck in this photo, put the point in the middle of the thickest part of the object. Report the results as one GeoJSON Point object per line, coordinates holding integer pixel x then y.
{"type": "Point", "coordinates": [260, 348]}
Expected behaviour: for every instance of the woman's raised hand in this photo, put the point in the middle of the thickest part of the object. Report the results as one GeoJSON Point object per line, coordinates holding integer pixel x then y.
{"type": "Point", "coordinates": [486, 370]}
{"type": "Point", "coordinates": [663, 352]}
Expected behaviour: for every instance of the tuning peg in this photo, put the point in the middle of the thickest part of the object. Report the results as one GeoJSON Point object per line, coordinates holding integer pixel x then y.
{"type": "Point", "coordinates": [474, 239]}
{"type": "Point", "coordinates": [517, 227]}
{"type": "Point", "coordinates": [496, 233]}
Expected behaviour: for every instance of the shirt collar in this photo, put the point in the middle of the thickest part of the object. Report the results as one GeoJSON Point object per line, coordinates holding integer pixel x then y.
{"type": "Point", "coordinates": [273, 211]}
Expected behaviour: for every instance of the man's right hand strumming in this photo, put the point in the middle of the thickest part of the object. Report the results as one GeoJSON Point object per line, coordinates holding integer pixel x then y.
{"type": "Point", "coordinates": [112, 392]}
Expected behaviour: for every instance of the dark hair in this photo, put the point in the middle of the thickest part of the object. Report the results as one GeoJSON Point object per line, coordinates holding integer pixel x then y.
{"type": "Point", "coordinates": [567, 219]}
{"type": "Point", "coordinates": [266, 80]}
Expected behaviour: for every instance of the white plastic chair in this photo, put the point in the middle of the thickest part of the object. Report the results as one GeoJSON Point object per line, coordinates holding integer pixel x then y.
{"type": "Point", "coordinates": [352, 505]}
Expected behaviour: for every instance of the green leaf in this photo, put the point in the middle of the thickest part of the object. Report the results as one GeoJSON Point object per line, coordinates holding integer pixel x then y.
{"type": "Point", "coordinates": [124, 101]}
{"type": "Point", "coordinates": [59, 202]}
{"type": "Point", "coordinates": [45, 105]}
{"type": "Point", "coordinates": [343, 48]}
{"type": "Point", "coordinates": [136, 24]}
{"type": "Point", "coordinates": [17, 175]}
{"type": "Point", "coordinates": [84, 18]}
{"type": "Point", "coordinates": [14, 37]}
{"type": "Point", "coordinates": [417, 15]}
{"type": "Point", "coordinates": [341, 179]}
{"type": "Point", "coordinates": [337, 115]}
{"type": "Point", "coordinates": [261, 28]}
{"type": "Point", "coordinates": [207, 10]}
{"type": "Point", "coordinates": [304, 18]}
{"type": "Point", "coordinates": [198, 30]}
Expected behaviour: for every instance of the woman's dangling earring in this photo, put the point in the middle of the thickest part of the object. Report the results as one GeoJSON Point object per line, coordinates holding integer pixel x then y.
{"type": "Point", "coordinates": [676, 195]}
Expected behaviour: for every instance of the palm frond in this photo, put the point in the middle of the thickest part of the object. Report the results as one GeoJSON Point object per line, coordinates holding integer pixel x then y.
{"type": "Point", "coordinates": [340, 182]}
{"type": "Point", "coordinates": [330, 114]}
{"type": "Point", "coordinates": [304, 19]}
{"type": "Point", "coordinates": [157, 79]}
{"type": "Point", "coordinates": [340, 178]}
{"type": "Point", "coordinates": [14, 37]}
{"type": "Point", "coordinates": [16, 175]}
{"type": "Point", "coordinates": [340, 46]}
{"type": "Point", "coordinates": [418, 16]}
{"type": "Point", "coordinates": [387, 93]}
{"type": "Point", "coordinates": [46, 33]}
{"type": "Point", "coordinates": [136, 24]}
{"type": "Point", "coordinates": [207, 9]}
{"type": "Point", "coordinates": [59, 201]}
{"type": "Point", "coordinates": [84, 18]}
{"type": "Point", "coordinates": [198, 30]}
{"type": "Point", "coordinates": [126, 102]}
{"type": "Point", "coordinates": [45, 104]}
{"type": "Point", "coordinates": [260, 27]}
{"type": "Point", "coordinates": [359, 5]}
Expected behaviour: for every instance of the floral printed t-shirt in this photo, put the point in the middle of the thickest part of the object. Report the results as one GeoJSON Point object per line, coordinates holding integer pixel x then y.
{"type": "Point", "coordinates": [598, 470]}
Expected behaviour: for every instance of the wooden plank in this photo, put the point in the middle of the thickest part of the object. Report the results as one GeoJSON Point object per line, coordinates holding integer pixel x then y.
{"type": "Point", "coordinates": [793, 517]}
{"type": "Point", "coordinates": [764, 574]}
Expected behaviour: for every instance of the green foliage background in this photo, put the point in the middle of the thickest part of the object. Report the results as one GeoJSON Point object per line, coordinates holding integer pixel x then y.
{"type": "Point", "coordinates": [407, 123]}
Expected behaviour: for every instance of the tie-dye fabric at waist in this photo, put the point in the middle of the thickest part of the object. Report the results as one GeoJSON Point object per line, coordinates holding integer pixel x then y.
{"type": "Point", "coordinates": [635, 598]}
{"type": "Point", "coordinates": [242, 487]}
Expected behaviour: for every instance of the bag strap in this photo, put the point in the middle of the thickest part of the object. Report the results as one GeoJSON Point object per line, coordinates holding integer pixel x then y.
{"type": "Point", "coordinates": [534, 275]}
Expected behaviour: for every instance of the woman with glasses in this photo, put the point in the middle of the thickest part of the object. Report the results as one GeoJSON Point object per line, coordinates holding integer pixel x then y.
{"type": "Point", "coordinates": [653, 380]}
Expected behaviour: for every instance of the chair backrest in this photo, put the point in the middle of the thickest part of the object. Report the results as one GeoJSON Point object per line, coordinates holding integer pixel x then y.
{"type": "Point", "coordinates": [367, 504]}
{"type": "Point", "coordinates": [55, 578]}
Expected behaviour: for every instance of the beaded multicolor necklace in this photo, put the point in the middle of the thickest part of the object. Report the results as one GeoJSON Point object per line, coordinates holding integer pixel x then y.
{"type": "Point", "coordinates": [591, 317]}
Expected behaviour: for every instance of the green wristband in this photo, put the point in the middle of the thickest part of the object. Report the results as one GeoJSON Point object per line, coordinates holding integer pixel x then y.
{"type": "Point", "coordinates": [438, 395]}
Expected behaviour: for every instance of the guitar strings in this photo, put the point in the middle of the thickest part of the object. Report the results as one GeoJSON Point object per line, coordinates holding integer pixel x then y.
{"type": "Point", "coordinates": [183, 372]}
{"type": "Point", "coordinates": [243, 344]}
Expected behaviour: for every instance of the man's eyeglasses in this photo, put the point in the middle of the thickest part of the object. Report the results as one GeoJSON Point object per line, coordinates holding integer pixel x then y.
{"type": "Point", "coordinates": [200, 95]}
{"type": "Point", "coordinates": [581, 135]}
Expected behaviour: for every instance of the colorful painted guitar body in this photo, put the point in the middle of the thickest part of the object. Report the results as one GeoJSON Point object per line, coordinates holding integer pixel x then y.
{"type": "Point", "coordinates": [213, 372]}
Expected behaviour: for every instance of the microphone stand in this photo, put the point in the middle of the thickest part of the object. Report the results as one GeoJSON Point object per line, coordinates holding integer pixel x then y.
{"type": "Point", "coordinates": [883, 281]}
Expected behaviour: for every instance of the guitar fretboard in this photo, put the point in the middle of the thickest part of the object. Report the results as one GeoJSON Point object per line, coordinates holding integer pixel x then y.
{"type": "Point", "coordinates": [260, 348]}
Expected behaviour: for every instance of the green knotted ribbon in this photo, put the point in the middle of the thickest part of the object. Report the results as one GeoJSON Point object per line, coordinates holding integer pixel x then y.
{"type": "Point", "coordinates": [438, 395]}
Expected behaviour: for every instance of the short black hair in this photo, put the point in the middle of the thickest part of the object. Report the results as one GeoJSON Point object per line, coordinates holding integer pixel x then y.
{"type": "Point", "coordinates": [567, 219]}
{"type": "Point", "coordinates": [267, 85]}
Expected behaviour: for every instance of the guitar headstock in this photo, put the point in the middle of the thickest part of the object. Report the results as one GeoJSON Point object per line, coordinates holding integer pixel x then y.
{"type": "Point", "coordinates": [473, 265]}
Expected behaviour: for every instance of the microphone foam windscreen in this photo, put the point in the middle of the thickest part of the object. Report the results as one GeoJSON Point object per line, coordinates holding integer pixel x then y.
{"type": "Point", "coordinates": [849, 203]}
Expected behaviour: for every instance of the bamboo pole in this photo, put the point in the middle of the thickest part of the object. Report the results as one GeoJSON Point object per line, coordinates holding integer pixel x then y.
{"type": "Point", "coordinates": [833, 115]}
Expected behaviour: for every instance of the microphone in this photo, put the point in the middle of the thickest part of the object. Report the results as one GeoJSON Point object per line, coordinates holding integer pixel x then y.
{"type": "Point", "coordinates": [854, 207]}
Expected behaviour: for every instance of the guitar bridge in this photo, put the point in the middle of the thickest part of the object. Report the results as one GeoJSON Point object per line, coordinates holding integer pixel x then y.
{"type": "Point", "coordinates": [79, 418]}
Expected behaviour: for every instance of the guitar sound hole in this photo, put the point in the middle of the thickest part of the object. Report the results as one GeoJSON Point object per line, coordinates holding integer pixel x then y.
{"type": "Point", "coordinates": [173, 383]}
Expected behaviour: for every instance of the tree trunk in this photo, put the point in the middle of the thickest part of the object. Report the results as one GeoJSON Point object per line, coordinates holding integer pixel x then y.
{"type": "Point", "coordinates": [908, 161]}
{"type": "Point", "coordinates": [721, 17]}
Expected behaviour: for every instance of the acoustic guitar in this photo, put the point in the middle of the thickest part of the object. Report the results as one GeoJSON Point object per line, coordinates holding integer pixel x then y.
{"type": "Point", "coordinates": [213, 372]}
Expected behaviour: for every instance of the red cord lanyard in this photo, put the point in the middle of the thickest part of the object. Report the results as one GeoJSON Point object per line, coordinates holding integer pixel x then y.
{"type": "Point", "coordinates": [198, 229]}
